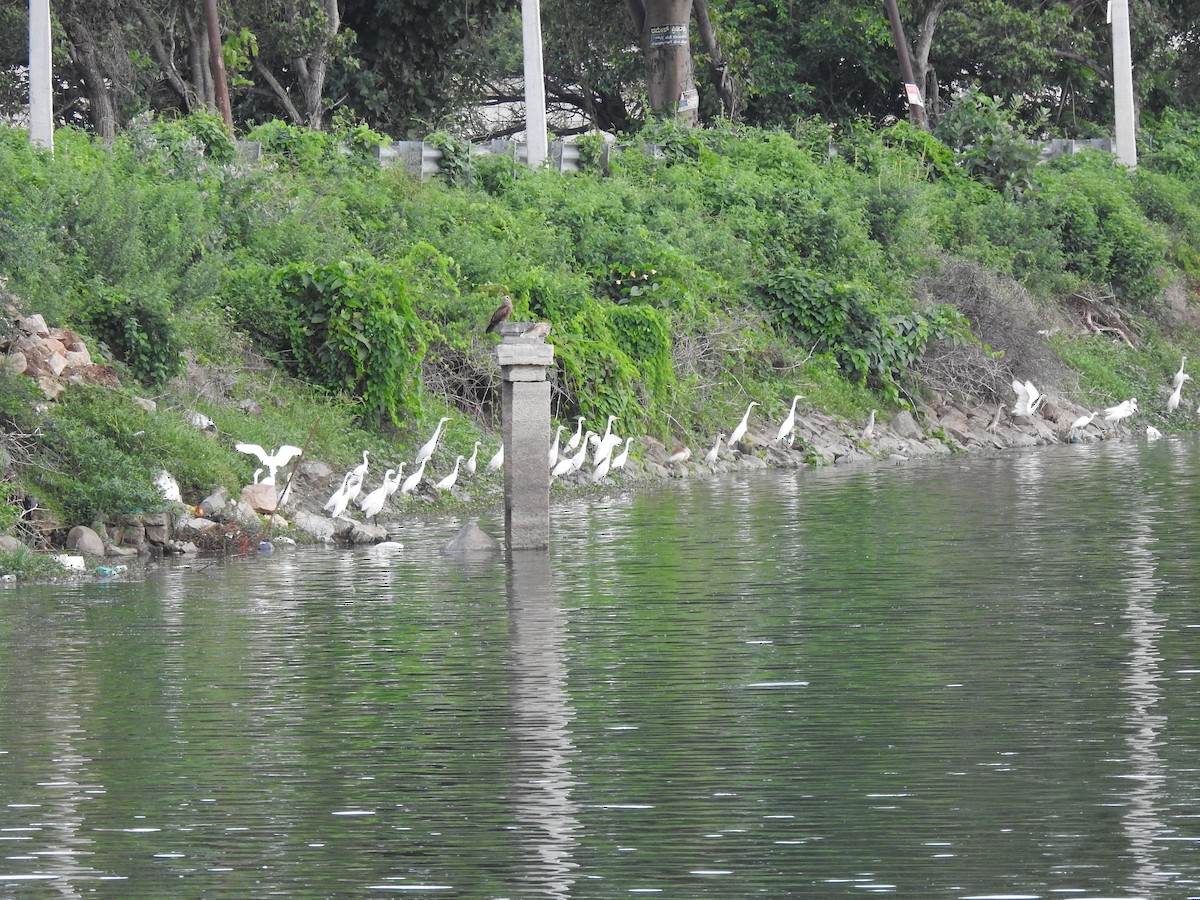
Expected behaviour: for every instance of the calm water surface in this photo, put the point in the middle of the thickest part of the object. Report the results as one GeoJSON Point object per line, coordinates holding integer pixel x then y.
{"type": "Point", "coordinates": [947, 679]}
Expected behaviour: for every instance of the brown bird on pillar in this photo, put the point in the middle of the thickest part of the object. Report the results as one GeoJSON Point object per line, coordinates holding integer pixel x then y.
{"type": "Point", "coordinates": [501, 314]}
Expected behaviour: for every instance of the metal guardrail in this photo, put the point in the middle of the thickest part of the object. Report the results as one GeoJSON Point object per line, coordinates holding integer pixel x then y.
{"type": "Point", "coordinates": [423, 160]}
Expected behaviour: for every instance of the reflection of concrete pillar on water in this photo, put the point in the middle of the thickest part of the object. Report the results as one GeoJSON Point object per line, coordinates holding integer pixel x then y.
{"type": "Point", "coordinates": [525, 405]}
{"type": "Point", "coordinates": [543, 809]}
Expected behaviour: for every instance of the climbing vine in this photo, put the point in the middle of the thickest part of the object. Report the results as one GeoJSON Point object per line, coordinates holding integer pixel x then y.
{"type": "Point", "coordinates": [356, 331]}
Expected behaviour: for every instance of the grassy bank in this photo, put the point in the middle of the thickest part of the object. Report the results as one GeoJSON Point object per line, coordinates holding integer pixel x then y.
{"type": "Point", "coordinates": [314, 297]}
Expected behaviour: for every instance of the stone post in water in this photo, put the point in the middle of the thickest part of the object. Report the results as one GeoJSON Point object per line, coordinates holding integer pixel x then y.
{"type": "Point", "coordinates": [524, 355]}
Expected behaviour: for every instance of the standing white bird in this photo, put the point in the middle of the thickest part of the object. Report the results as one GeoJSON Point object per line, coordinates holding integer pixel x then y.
{"type": "Point", "coordinates": [623, 457]}
{"type": "Point", "coordinates": [577, 436]}
{"type": "Point", "coordinates": [496, 461]}
{"type": "Point", "coordinates": [789, 424]}
{"type": "Point", "coordinates": [450, 480]}
{"type": "Point", "coordinates": [554, 446]}
{"type": "Point", "coordinates": [606, 446]}
{"type": "Point", "coordinates": [352, 487]}
{"type": "Point", "coordinates": [1121, 411]}
{"type": "Point", "coordinates": [742, 426]}
{"type": "Point", "coordinates": [711, 456]}
{"type": "Point", "coordinates": [601, 470]}
{"type": "Point", "coordinates": [274, 461]}
{"type": "Point", "coordinates": [569, 464]}
{"type": "Point", "coordinates": [1152, 433]}
{"type": "Point", "coordinates": [604, 438]}
{"type": "Point", "coordinates": [1176, 396]}
{"type": "Point", "coordinates": [373, 502]}
{"type": "Point", "coordinates": [1028, 398]}
{"type": "Point", "coordinates": [473, 459]}
{"type": "Point", "coordinates": [869, 429]}
{"type": "Point", "coordinates": [395, 485]}
{"type": "Point", "coordinates": [414, 479]}
{"type": "Point", "coordinates": [336, 497]}
{"type": "Point", "coordinates": [430, 445]}
{"type": "Point", "coordinates": [1082, 422]}
{"type": "Point", "coordinates": [1181, 376]}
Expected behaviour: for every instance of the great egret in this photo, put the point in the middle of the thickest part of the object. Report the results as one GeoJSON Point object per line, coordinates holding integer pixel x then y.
{"type": "Point", "coordinates": [503, 311]}
{"type": "Point", "coordinates": [1081, 422]}
{"type": "Point", "coordinates": [473, 459]}
{"type": "Point", "coordinates": [1181, 376]}
{"type": "Point", "coordinates": [569, 464]}
{"type": "Point", "coordinates": [498, 460]}
{"type": "Point", "coordinates": [711, 456]}
{"type": "Point", "coordinates": [414, 479]}
{"type": "Point", "coordinates": [742, 426]}
{"type": "Point", "coordinates": [606, 446]}
{"type": "Point", "coordinates": [789, 424]}
{"type": "Point", "coordinates": [575, 438]}
{"type": "Point", "coordinates": [1152, 433]}
{"type": "Point", "coordinates": [373, 502]}
{"type": "Point", "coordinates": [430, 445]}
{"type": "Point", "coordinates": [870, 429]}
{"type": "Point", "coordinates": [1028, 398]}
{"type": "Point", "coordinates": [682, 455]}
{"type": "Point", "coordinates": [395, 485]}
{"type": "Point", "coordinates": [274, 461]}
{"type": "Point", "coordinates": [450, 480]}
{"type": "Point", "coordinates": [602, 469]}
{"type": "Point", "coordinates": [1176, 396]}
{"type": "Point", "coordinates": [337, 495]}
{"type": "Point", "coordinates": [623, 457]}
{"type": "Point", "coordinates": [352, 486]}
{"type": "Point", "coordinates": [554, 446]}
{"type": "Point", "coordinates": [1121, 411]}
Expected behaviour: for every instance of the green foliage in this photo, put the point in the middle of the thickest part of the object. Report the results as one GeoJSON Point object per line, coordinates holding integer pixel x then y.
{"type": "Point", "coordinates": [455, 165]}
{"type": "Point", "coordinates": [356, 331]}
{"type": "Point", "coordinates": [26, 565]}
{"type": "Point", "coordinates": [137, 331]}
{"type": "Point", "coordinates": [643, 333]}
{"type": "Point", "coordinates": [994, 147]}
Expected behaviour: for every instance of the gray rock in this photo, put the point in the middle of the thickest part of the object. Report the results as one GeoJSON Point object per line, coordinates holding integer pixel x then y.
{"type": "Point", "coordinates": [906, 426]}
{"type": "Point", "coordinates": [320, 528]}
{"type": "Point", "coordinates": [8, 542]}
{"type": "Point", "coordinates": [262, 497]}
{"type": "Point", "coordinates": [472, 539]}
{"type": "Point", "coordinates": [203, 526]}
{"type": "Point", "coordinates": [215, 502]}
{"type": "Point", "coordinates": [118, 551]}
{"type": "Point", "coordinates": [85, 540]}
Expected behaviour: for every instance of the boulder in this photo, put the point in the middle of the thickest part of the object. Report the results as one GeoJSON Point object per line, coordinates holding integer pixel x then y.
{"type": "Point", "coordinates": [215, 502]}
{"type": "Point", "coordinates": [261, 497]}
{"type": "Point", "coordinates": [85, 540]}
{"type": "Point", "coordinates": [158, 527]}
{"type": "Point", "coordinates": [8, 542]}
{"type": "Point", "coordinates": [318, 527]}
{"type": "Point", "coordinates": [472, 539]}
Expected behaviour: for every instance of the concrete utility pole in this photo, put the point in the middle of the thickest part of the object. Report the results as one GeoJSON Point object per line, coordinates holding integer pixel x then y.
{"type": "Point", "coordinates": [41, 95]}
{"type": "Point", "coordinates": [535, 83]}
{"type": "Point", "coordinates": [916, 105]}
{"type": "Point", "coordinates": [1123, 84]}
{"type": "Point", "coordinates": [525, 406]}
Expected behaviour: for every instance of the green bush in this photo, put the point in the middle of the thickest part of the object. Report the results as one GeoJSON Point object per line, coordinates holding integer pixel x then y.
{"type": "Point", "coordinates": [137, 331]}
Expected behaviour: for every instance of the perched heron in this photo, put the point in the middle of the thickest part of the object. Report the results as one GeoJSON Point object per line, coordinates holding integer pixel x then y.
{"type": "Point", "coordinates": [711, 456]}
{"type": "Point", "coordinates": [623, 457]}
{"type": "Point", "coordinates": [430, 445]}
{"type": "Point", "coordinates": [869, 429]}
{"type": "Point", "coordinates": [1181, 376]}
{"type": "Point", "coordinates": [742, 426]}
{"type": "Point", "coordinates": [1121, 411]}
{"type": "Point", "coordinates": [1176, 396]}
{"type": "Point", "coordinates": [352, 485]}
{"type": "Point", "coordinates": [1028, 398]}
{"type": "Point", "coordinates": [496, 461]}
{"type": "Point", "coordinates": [473, 459]}
{"type": "Point", "coordinates": [411, 482]}
{"type": "Point", "coordinates": [789, 424]}
{"type": "Point", "coordinates": [554, 446]}
{"type": "Point", "coordinates": [682, 455]}
{"type": "Point", "coordinates": [577, 436]}
{"type": "Point", "coordinates": [1082, 422]}
{"type": "Point", "coordinates": [373, 502]}
{"type": "Point", "coordinates": [450, 480]}
{"type": "Point", "coordinates": [273, 461]}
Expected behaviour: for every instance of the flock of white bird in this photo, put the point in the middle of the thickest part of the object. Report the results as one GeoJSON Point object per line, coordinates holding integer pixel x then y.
{"type": "Point", "coordinates": [1029, 399]}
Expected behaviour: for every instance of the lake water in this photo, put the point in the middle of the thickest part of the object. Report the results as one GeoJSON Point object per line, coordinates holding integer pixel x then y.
{"type": "Point", "coordinates": [973, 677]}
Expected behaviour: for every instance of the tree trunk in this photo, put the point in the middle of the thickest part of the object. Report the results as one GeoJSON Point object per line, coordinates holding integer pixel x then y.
{"type": "Point", "coordinates": [216, 62]}
{"type": "Point", "coordinates": [670, 73]}
{"type": "Point", "coordinates": [86, 58]}
{"type": "Point", "coordinates": [718, 67]}
{"type": "Point", "coordinates": [922, 70]}
{"type": "Point", "coordinates": [158, 49]}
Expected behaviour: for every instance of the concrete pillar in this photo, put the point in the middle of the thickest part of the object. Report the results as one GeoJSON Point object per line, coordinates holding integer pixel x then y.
{"type": "Point", "coordinates": [1126, 131]}
{"type": "Point", "coordinates": [525, 405]}
{"type": "Point", "coordinates": [41, 92]}
{"type": "Point", "coordinates": [535, 83]}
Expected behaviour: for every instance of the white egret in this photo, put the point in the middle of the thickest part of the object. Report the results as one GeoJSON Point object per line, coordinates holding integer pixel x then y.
{"type": "Point", "coordinates": [430, 445]}
{"type": "Point", "coordinates": [273, 461]}
{"type": "Point", "coordinates": [414, 479]}
{"type": "Point", "coordinates": [1181, 376]}
{"type": "Point", "coordinates": [1028, 398]}
{"type": "Point", "coordinates": [789, 424]}
{"type": "Point", "coordinates": [1176, 396]}
{"type": "Point", "coordinates": [742, 426]}
{"type": "Point", "coordinates": [869, 429]}
{"type": "Point", "coordinates": [257, 474]}
{"type": "Point", "coordinates": [602, 469]}
{"type": "Point", "coordinates": [554, 446]}
{"type": "Point", "coordinates": [498, 460]}
{"type": "Point", "coordinates": [395, 485]}
{"type": "Point", "coordinates": [450, 480]}
{"type": "Point", "coordinates": [1121, 411]}
{"type": "Point", "coordinates": [352, 486]}
{"type": "Point", "coordinates": [473, 459]}
{"type": "Point", "coordinates": [711, 456]}
{"type": "Point", "coordinates": [606, 446]}
{"type": "Point", "coordinates": [1082, 422]}
{"type": "Point", "coordinates": [569, 464]}
{"type": "Point", "coordinates": [623, 457]}
{"type": "Point", "coordinates": [373, 502]}
{"type": "Point", "coordinates": [577, 436]}
{"type": "Point", "coordinates": [1152, 433]}
{"type": "Point", "coordinates": [682, 455]}
{"type": "Point", "coordinates": [337, 495]}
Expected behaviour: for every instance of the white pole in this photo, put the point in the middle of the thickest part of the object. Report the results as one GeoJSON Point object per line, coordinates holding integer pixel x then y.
{"type": "Point", "coordinates": [41, 97]}
{"type": "Point", "coordinates": [535, 82]}
{"type": "Point", "coordinates": [1123, 84]}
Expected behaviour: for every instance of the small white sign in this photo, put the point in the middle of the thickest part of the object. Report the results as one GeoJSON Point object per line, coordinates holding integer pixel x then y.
{"type": "Point", "coordinates": [914, 95]}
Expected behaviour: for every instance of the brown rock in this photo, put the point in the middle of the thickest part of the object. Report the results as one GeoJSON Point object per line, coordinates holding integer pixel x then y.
{"type": "Point", "coordinates": [85, 540]}
{"type": "Point", "coordinates": [34, 324]}
{"type": "Point", "coordinates": [261, 497]}
{"type": "Point", "coordinates": [78, 359]}
{"type": "Point", "coordinates": [102, 375]}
